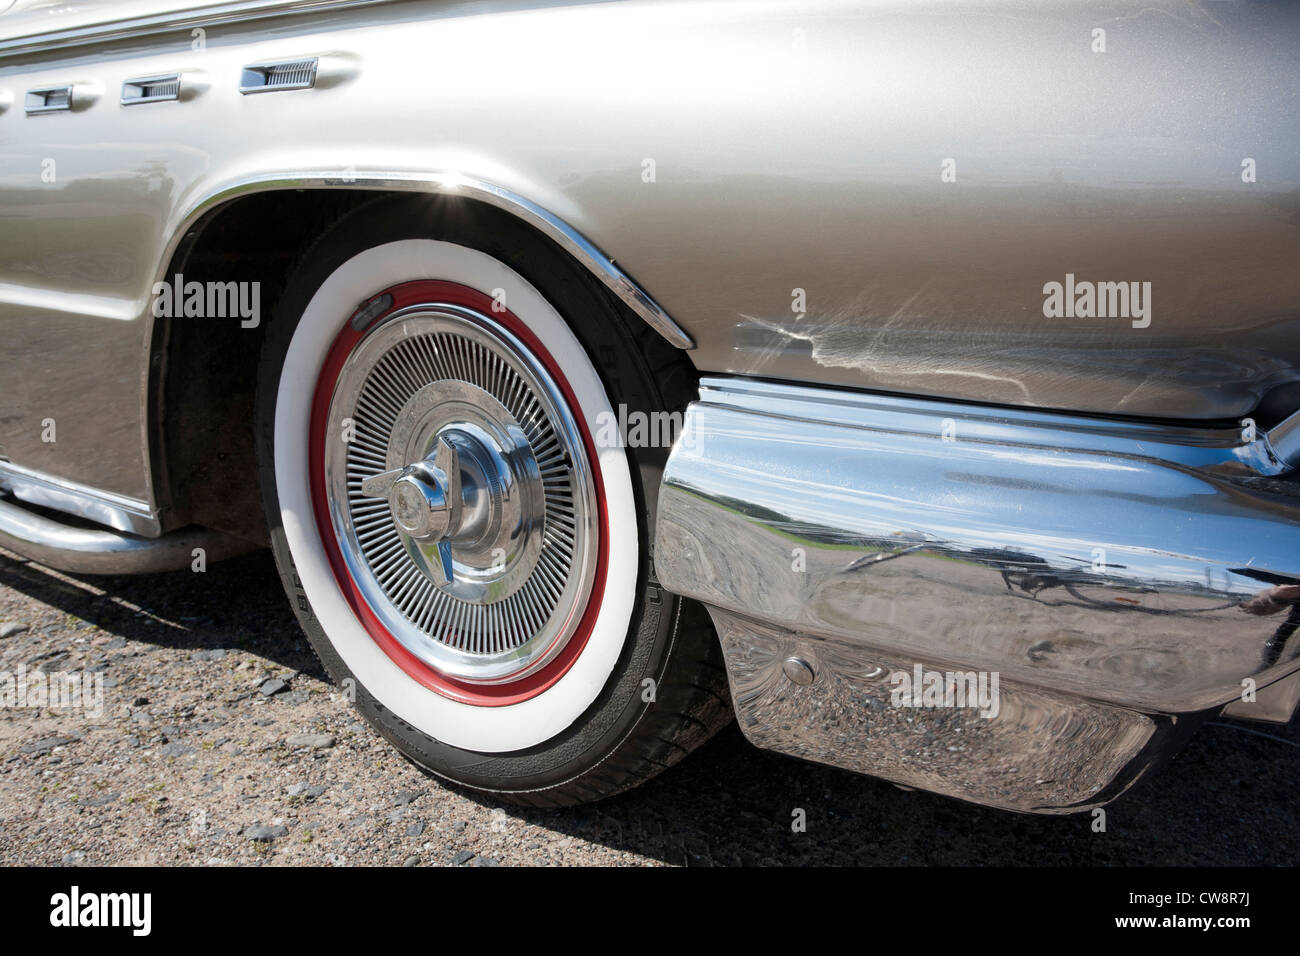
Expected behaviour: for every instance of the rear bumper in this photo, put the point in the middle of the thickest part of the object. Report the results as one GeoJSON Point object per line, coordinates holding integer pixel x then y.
{"type": "Point", "coordinates": [1105, 573]}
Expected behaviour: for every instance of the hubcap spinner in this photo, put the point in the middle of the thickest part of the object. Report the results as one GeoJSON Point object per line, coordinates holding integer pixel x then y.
{"type": "Point", "coordinates": [465, 491]}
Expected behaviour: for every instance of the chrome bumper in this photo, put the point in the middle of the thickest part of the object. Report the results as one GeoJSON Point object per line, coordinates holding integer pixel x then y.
{"type": "Point", "coordinates": [1117, 577]}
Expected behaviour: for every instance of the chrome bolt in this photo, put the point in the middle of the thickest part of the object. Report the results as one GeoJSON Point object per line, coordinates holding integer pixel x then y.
{"type": "Point", "coordinates": [798, 670]}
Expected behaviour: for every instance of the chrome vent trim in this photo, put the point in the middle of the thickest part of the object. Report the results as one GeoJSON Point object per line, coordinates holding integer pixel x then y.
{"type": "Point", "coordinates": [151, 89]}
{"type": "Point", "coordinates": [281, 75]}
{"type": "Point", "coordinates": [49, 99]}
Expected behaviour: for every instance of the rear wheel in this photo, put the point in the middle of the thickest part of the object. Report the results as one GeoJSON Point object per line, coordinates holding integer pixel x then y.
{"type": "Point", "coordinates": [457, 533]}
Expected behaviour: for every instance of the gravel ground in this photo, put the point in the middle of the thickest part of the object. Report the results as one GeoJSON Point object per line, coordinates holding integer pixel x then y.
{"type": "Point", "coordinates": [221, 741]}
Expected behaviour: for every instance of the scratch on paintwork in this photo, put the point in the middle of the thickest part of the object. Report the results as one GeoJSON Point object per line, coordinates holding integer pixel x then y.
{"type": "Point", "coordinates": [1128, 396]}
{"type": "Point", "coordinates": [1191, 7]}
{"type": "Point", "coordinates": [855, 336]}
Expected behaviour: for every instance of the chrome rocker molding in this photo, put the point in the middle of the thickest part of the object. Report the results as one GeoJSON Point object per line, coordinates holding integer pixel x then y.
{"type": "Point", "coordinates": [102, 507]}
{"type": "Point", "coordinates": [1120, 578]}
{"type": "Point", "coordinates": [90, 551]}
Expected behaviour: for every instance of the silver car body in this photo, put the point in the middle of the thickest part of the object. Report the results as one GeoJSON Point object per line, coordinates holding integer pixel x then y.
{"type": "Point", "coordinates": [870, 195]}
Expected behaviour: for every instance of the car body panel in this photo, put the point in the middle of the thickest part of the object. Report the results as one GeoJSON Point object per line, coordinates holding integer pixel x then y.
{"type": "Point", "coordinates": [794, 147]}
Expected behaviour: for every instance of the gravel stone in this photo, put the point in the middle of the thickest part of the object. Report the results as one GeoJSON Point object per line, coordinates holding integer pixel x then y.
{"type": "Point", "coordinates": [304, 790]}
{"type": "Point", "coordinates": [45, 745]}
{"type": "Point", "coordinates": [272, 686]}
{"type": "Point", "coordinates": [265, 834]}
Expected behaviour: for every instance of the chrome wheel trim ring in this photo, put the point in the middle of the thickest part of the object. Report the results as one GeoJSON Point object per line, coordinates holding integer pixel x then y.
{"type": "Point", "coordinates": [434, 368]}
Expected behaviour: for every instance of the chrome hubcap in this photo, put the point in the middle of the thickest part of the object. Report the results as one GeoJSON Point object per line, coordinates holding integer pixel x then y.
{"type": "Point", "coordinates": [461, 494]}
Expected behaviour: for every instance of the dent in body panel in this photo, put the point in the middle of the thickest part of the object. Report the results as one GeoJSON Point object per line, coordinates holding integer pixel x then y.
{"type": "Point", "coordinates": [919, 319]}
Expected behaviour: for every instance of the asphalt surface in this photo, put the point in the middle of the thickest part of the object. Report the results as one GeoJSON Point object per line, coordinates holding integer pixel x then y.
{"type": "Point", "coordinates": [197, 759]}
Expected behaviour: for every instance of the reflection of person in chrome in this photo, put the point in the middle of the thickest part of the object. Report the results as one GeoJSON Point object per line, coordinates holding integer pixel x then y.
{"type": "Point", "coordinates": [1271, 601]}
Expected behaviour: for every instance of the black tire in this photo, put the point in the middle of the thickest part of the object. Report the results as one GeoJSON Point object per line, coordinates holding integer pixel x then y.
{"type": "Point", "coordinates": [622, 739]}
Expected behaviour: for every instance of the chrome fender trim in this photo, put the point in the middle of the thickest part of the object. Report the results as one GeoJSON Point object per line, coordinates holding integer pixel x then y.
{"type": "Point", "coordinates": [447, 184]}
{"type": "Point", "coordinates": [444, 183]}
{"type": "Point", "coordinates": [1146, 566]}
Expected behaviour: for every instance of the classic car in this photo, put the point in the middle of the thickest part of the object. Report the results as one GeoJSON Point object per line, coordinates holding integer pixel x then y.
{"type": "Point", "coordinates": [915, 381]}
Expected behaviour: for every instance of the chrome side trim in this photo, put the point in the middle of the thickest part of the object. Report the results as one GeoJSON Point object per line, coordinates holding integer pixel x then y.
{"type": "Point", "coordinates": [216, 14]}
{"type": "Point", "coordinates": [451, 184]}
{"type": "Point", "coordinates": [1041, 752]}
{"type": "Point", "coordinates": [1217, 449]}
{"type": "Point", "coordinates": [85, 551]}
{"type": "Point", "coordinates": [92, 504]}
{"type": "Point", "coordinates": [1143, 565]}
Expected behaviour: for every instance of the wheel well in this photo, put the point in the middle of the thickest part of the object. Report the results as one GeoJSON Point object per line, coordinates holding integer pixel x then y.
{"type": "Point", "coordinates": [204, 371]}
{"type": "Point", "coordinates": [203, 377]}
